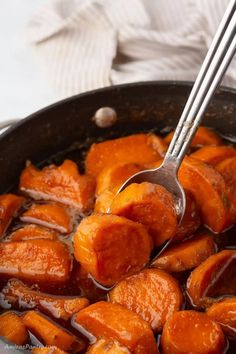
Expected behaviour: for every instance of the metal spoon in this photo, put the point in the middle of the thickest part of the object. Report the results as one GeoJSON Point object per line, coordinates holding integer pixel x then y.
{"type": "Point", "coordinates": [214, 66]}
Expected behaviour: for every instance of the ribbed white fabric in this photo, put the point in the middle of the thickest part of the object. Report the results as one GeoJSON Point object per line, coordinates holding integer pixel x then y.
{"type": "Point", "coordinates": [87, 44]}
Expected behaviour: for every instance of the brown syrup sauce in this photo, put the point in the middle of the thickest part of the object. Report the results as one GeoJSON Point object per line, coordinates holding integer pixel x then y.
{"type": "Point", "coordinates": [86, 286]}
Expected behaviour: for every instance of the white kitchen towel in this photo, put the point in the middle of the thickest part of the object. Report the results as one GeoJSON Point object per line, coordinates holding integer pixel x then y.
{"type": "Point", "coordinates": [88, 44]}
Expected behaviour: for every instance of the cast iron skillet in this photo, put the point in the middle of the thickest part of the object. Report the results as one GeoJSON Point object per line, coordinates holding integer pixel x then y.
{"type": "Point", "coordinates": [67, 128]}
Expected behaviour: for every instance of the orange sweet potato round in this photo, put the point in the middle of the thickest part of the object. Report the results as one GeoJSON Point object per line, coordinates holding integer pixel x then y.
{"type": "Point", "coordinates": [209, 190]}
{"type": "Point", "coordinates": [12, 328]}
{"type": "Point", "coordinates": [9, 206]}
{"type": "Point", "coordinates": [138, 149]}
{"type": "Point", "coordinates": [103, 202]}
{"type": "Point", "coordinates": [186, 255]}
{"type": "Point", "coordinates": [204, 136]}
{"type": "Point", "coordinates": [192, 332]}
{"type": "Point", "coordinates": [150, 204]}
{"type": "Point", "coordinates": [214, 154]}
{"type": "Point", "coordinates": [115, 322]}
{"type": "Point", "coordinates": [153, 294]}
{"type": "Point", "coordinates": [204, 281]}
{"type": "Point", "coordinates": [110, 247]}
{"type": "Point", "coordinates": [224, 312]}
{"type": "Point", "coordinates": [112, 178]}
{"type": "Point", "coordinates": [30, 232]}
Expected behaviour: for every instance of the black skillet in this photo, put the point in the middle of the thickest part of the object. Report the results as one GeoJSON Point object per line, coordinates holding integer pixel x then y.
{"type": "Point", "coordinates": [67, 128]}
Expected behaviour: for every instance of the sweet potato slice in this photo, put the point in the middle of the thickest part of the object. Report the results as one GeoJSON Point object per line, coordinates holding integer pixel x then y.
{"type": "Point", "coordinates": [31, 232]}
{"type": "Point", "coordinates": [212, 278]}
{"type": "Point", "coordinates": [192, 332]}
{"type": "Point", "coordinates": [227, 169]}
{"type": "Point", "coordinates": [153, 294]}
{"type": "Point", "coordinates": [186, 255]}
{"type": "Point", "coordinates": [214, 154]}
{"type": "Point", "coordinates": [112, 178]}
{"type": "Point", "coordinates": [12, 328]}
{"type": "Point", "coordinates": [138, 149]}
{"type": "Point", "coordinates": [50, 333]}
{"type": "Point", "coordinates": [209, 190]}
{"type": "Point", "coordinates": [9, 206]}
{"type": "Point", "coordinates": [103, 202]}
{"type": "Point", "coordinates": [224, 312]}
{"type": "Point", "coordinates": [61, 184]}
{"type": "Point", "coordinates": [115, 322]}
{"type": "Point", "coordinates": [151, 205]}
{"type": "Point", "coordinates": [53, 216]}
{"type": "Point", "coordinates": [204, 136]}
{"type": "Point", "coordinates": [19, 296]}
{"type": "Point", "coordinates": [35, 260]}
{"type": "Point", "coordinates": [111, 247]}
{"type": "Point", "coordinates": [48, 350]}
{"type": "Point", "coordinates": [191, 219]}
{"type": "Point", "coordinates": [107, 346]}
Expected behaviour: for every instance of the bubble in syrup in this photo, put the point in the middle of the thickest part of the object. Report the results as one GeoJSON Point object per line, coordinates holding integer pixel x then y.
{"type": "Point", "coordinates": [105, 117]}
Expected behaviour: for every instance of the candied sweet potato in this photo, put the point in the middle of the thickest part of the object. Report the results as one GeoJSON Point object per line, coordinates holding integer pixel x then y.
{"type": "Point", "coordinates": [209, 190]}
{"type": "Point", "coordinates": [110, 247]}
{"type": "Point", "coordinates": [186, 255]}
{"type": "Point", "coordinates": [35, 260]}
{"type": "Point", "coordinates": [61, 184]}
{"type": "Point", "coordinates": [203, 279]}
{"type": "Point", "coordinates": [203, 137]}
{"type": "Point", "coordinates": [192, 332]}
{"type": "Point", "coordinates": [47, 350]}
{"type": "Point", "coordinates": [214, 154]}
{"type": "Point", "coordinates": [19, 295]}
{"type": "Point", "coordinates": [9, 206]}
{"type": "Point", "coordinates": [31, 232]}
{"type": "Point", "coordinates": [12, 328]}
{"type": "Point", "coordinates": [224, 312]}
{"type": "Point", "coordinates": [107, 346]}
{"type": "Point", "coordinates": [227, 169]}
{"type": "Point", "coordinates": [53, 216]}
{"type": "Point", "coordinates": [112, 178]}
{"type": "Point", "coordinates": [153, 294]}
{"type": "Point", "coordinates": [115, 322]}
{"type": "Point", "coordinates": [103, 202]}
{"type": "Point", "coordinates": [151, 205]}
{"type": "Point", "coordinates": [138, 149]}
{"type": "Point", "coordinates": [50, 333]}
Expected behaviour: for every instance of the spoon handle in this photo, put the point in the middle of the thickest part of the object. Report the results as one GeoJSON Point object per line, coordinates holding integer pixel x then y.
{"type": "Point", "coordinates": [214, 66]}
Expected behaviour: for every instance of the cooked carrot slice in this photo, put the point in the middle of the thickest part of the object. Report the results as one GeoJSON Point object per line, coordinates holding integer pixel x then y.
{"type": "Point", "coordinates": [211, 278]}
{"type": "Point", "coordinates": [192, 332]}
{"type": "Point", "coordinates": [50, 333]}
{"type": "Point", "coordinates": [204, 136]}
{"type": "Point", "coordinates": [53, 216]}
{"type": "Point", "coordinates": [214, 154]}
{"type": "Point", "coordinates": [137, 149]}
{"type": "Point", "coordinates": [103, 202]}
{"type": "Point", "coordinates": [209, 190]}
{"type": "Point", "coordinates": [153, 294]}
{"type": "Point", "coordinates": [12, 328]}
{"type": "Point", "coordinates": [21, 296]}
{"type": "Point", "coordinates": [191, 219]}
{"type": "Point", "coordinates": [111, 247]}
{"type": "Point", "coordinates": [47, 350]}
{"type": "Point", "coordinates": [35, 260]}
{"type": "Point", "coordinates": [30, 232]}
{"type": "Point", "coordinates": [9, 206]}
{"type": "Point", "coordinates": [186, 255]}
{"type": "Point", "coordinates": [115, 322]}
{"type": "Point", "coordinates": [107, 346]}
{"type": "Point", "coordinates": [150, 204]}
{"type": "Point", "coordinates": [224, 312]}
{"type": "Point", "coordinates": [227, 169]}
{"type": "Point", "coordinates": [61, 184]}
{"type": "Point", "coordinates": [112, 178]}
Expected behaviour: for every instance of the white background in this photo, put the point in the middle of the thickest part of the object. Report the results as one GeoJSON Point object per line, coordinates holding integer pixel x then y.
{"type": "Point", "coordinates": [23, 88]}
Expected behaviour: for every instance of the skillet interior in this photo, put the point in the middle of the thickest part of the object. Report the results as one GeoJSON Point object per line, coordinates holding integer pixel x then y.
{"type": "Point", "coordinates": [68, 125]}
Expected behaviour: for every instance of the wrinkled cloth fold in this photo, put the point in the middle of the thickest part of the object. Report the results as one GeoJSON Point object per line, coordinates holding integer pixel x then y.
{"type": "Point", "coordinates": [88, 44]}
